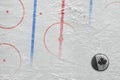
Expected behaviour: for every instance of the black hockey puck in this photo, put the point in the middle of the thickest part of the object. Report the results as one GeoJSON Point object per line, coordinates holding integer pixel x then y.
{"type": "Point", "coordinates": [100, 62]}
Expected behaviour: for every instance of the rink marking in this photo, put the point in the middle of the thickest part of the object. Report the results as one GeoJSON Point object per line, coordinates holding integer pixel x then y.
{"type": "Point", "coordinates": [33, 31]}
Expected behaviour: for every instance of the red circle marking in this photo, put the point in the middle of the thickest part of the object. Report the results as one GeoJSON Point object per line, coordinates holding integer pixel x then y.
{"type": "Point", "coordinates": [18, 52]}
{"type": "Point", "coordinates": [112, 3]}
{"type": "Point", "coordinates": [23, 15]}
{"type": "Point", "coordinates": [44, 40]}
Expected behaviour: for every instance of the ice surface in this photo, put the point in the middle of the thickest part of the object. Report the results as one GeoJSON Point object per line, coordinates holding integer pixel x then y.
{"type": "Point", "coordinates": [81, 40]}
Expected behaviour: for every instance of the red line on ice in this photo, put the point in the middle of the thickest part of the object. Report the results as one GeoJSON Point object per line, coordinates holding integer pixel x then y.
{"type": "Point", "coordinates": [20, 57]}
{"type": "Point", "coordinates": [23, 15]}
{"type": "Point", "coordinates": [45, 34]}
{"type": "Point", "coordinates": [112, 3]}
{"type": "Point", "coordinates": [61, 27]}
{"type": "Point", "coordinates": [62, 22]}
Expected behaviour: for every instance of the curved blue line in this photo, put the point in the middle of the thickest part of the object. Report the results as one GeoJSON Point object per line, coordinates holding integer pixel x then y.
{"type": "Point", "coordinates": [33, 31]}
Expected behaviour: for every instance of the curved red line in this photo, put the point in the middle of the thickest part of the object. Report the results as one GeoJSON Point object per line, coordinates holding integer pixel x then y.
{"type": "Point", "coordinates": [23, 15]}
{"type": "Point", "coordinates": [112, 3]}
{"type": "Point", "coordinates": [7, 44]}
{"type": "Point", "coordinates": [45, 37]}
{"type": "Point", "coordinates": [46, 31]}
